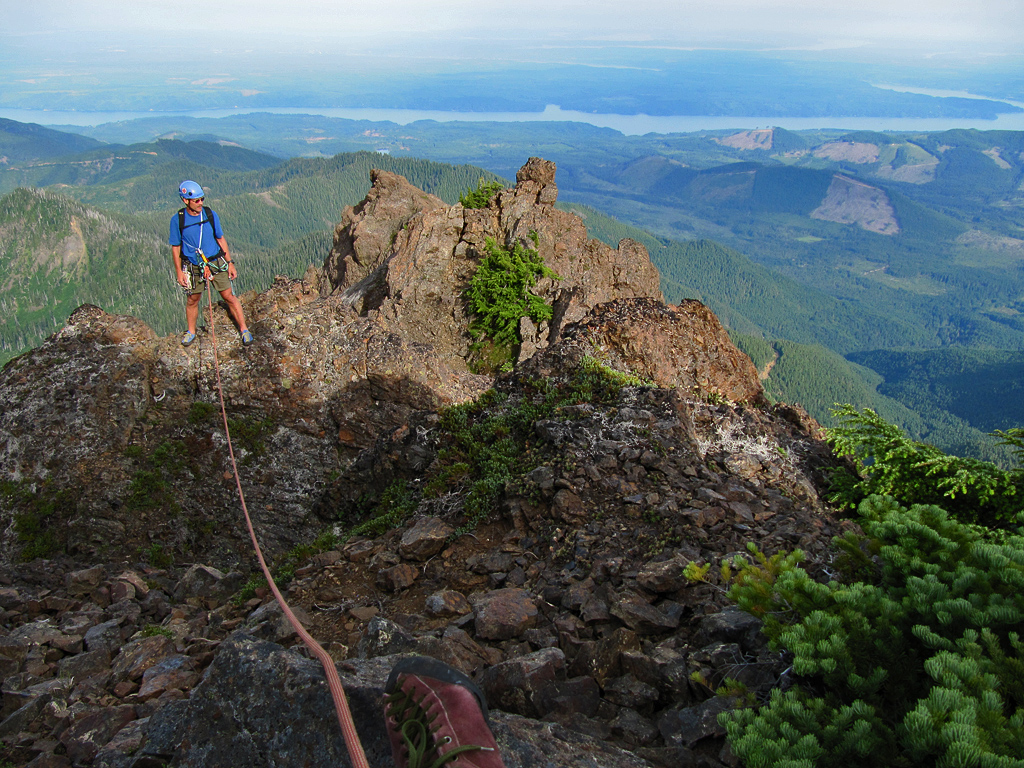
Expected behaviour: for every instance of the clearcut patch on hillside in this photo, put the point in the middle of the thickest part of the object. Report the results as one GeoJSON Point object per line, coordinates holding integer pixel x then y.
{"type": "Point", "coordinates": [985, 250]}
{"type": "Point", "coordinates": [759, 139]}
{"type": "Point", "coordinates": [850, 151]}
{"type": "Point", "coordinates": [997, 158]}
{"type": "Point", "coordinates": [853, 202]}
{"type": "Point", "coordinates": [906, 162]}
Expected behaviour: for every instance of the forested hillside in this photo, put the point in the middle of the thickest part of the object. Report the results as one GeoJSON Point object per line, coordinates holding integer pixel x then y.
{"type": "Point", "coordinates": [982, 386]}
{"type": "Point", "coordinates": [143, 165]}
{"type": "Point", "coordinates": [29, 142]}
{"type": "Point", "coordinates": [58, 254]}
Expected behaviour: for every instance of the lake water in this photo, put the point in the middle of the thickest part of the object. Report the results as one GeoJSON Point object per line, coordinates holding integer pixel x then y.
{"type": "Point", "coordinates": [627, 124]}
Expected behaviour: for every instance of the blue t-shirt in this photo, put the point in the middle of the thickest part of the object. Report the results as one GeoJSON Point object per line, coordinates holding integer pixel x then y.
{"type": "Point", "coordinates": [189, 237]}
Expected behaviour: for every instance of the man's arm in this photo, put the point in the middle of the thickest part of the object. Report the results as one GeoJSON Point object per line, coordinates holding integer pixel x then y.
{"type": "Point", "coordinates": [232, 270]}
{"type": "Point", "coordinates": [176, 256]}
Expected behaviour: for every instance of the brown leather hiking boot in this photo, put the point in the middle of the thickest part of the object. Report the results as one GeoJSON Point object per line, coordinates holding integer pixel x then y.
{"type": "Point", "coordinates": [436, 716]}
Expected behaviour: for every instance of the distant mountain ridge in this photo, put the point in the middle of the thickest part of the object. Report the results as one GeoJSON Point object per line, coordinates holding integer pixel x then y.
{"type": "Point", "coordinates": [28, 141]}
{"type": "Point", "coordinates": [114, 163]}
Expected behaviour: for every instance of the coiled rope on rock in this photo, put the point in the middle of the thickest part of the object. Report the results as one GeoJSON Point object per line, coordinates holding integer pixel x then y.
{"type": "Point", "coordinates": [348, 728]}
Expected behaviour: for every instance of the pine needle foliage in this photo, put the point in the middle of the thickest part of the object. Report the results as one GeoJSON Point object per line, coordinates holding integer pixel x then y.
{"type": "Point", "coordinates": [890, 463]}
{"type": "Point", "coordinates": [482, 195]}
{"type": "Point", "coordinates": [500, 292]}
{"type": "Point", "coordinates": [916, 661]}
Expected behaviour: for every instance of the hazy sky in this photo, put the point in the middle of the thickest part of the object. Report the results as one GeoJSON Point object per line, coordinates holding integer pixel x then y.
{"type": "Point", "coordinates": [982, 27]}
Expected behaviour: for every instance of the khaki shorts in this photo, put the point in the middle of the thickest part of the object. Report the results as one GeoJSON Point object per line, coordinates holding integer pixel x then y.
{"type": "Point", "coordinates": [218, 267]}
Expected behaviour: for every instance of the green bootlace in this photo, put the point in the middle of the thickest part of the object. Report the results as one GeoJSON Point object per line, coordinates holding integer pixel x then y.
{"type": "Point", "coordinates": [415, 726]}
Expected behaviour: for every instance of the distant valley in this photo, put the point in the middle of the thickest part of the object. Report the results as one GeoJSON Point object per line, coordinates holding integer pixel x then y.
{"type": "Point", "coordinates": [878, 269]}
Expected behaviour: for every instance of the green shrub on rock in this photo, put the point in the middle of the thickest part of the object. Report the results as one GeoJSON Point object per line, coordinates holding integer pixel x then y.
{"type": "Point", "coordinates": [919, 662]}
{"type": "Point", "coordinates": [890, 463]}
{"type": "Point", "coordinates": [481, 196]}
{"type": "Point", "coordinates": [499, 292]}
{"type": "Point", "coordinates": [500, 295]}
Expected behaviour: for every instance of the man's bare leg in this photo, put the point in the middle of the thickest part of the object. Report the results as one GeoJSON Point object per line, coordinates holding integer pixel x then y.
{"type": "Point", "coordinates": [192, 311]}
{"type": "Point", "coordinates": [234, 309]}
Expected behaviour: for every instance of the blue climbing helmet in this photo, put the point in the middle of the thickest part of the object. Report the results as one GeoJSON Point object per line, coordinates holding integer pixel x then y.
{"type": "Point", "coordinates": [189, 190]}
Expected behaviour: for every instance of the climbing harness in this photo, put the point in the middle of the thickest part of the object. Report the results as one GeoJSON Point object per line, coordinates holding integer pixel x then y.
{"type": "Point", "coordinates": [355, 748]}
{"type": "Point", "coordinates": [216, 264]}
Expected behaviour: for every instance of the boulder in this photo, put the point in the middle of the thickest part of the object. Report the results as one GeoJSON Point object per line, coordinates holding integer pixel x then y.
{"type": "Point", "coordinates": [139, 655]}
{"type": "Point", "coordinates": [199, 581]}
{"type": "Point", "coordinates": [504, 613]}
{"type": "Point", "coordinates": [448, 603]}
{"type": "Point", "coordinates": [245, 710]}
{"type": "Point", "coordinates": [105, 636]}
{"type": "Point", "coordinates": [424, 539]}
{"type": "Point", "coordinates": [516, 685]}
{"type": "Point", "coordinates": [91, 731]}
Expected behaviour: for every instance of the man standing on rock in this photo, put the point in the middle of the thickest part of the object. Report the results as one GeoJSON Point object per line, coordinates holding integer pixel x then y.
{"type": "Point", "coordinates": [191, 228]}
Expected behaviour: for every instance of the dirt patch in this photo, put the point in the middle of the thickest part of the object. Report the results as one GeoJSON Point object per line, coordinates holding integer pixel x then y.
{"type": "Point", "coordinates": [977, 239]}
{"type": "Point", "coordinates": [917, 173]}
{"type": "Point", "coordinates": [853, 202]}
{"type": "Point", "coordinates": [267, 197]}
{"type": "Point", "coordinates": [764, 372]}
{"type": "Point", "coordinates": [73, 252]}
{"type": "Point", "coordinates": [851, 151]}
{"type": "Point", "coordinates": [997, 158]}
{"type": "Point", "coordinates": [761, 139]}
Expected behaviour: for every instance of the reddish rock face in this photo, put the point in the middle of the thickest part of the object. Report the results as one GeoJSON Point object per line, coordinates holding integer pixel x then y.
{"type": "Point", "coordinates": [410, 257]}
{"type": "Point", "coordinates": [683, 347]}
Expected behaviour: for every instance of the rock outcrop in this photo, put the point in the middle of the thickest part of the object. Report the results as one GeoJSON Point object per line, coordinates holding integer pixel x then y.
{"type": "Point", "coordinates": [682, 347]}
{"type": "Point", "coordinates": [128, 641]}
{"type": "Point", "coordinates": [406, 257]}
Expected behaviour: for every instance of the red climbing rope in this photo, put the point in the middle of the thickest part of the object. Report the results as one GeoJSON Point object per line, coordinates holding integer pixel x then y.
{"type": "Point", "coordinates": [348, 728]}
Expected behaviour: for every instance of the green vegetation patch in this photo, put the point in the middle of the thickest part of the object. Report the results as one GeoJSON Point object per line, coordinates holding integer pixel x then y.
{"type": "Point", "coordinates": [912, 658]}
{"type": "Point", "coordinates": [39, 513]}
{"type": "Point", "coordinates": [284, 571]}
{"type": "Point", "coordinates": [200, 412]}
{"type": "Point", "coordinates": [158, 557]}
{"type": "Point", "coordinates": [913, 472]}
{"type": "Point", "coordinates": [150, 486]}
{"type": "Point", "coordinates": [489, 445]}
{"type": "Point", "coordinates": [482, 195]}
{"type": "Point", "coordinates": [397, 502]}
{"type": "Point", "coordinates": [912, 655]}
{"type": "Point", "coordinates": [154, 630]}
{"type": "Point", "coordinates": [500, 295]}
{"type": "Point", "coordinates": [251, 434]}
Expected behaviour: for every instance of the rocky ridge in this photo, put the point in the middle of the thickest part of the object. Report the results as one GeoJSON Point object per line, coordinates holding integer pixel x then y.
{"type": "Point", "coordinates": [569, 604]}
